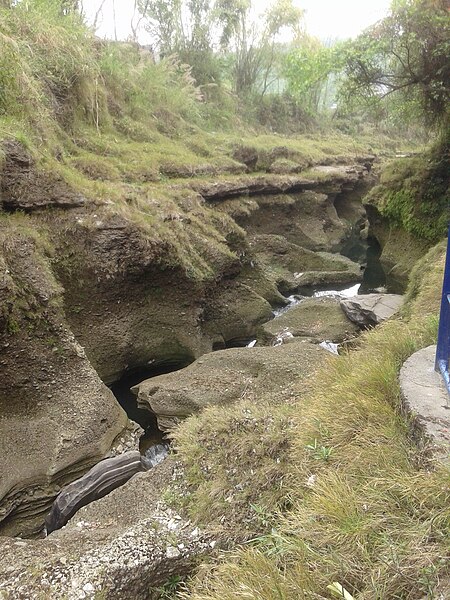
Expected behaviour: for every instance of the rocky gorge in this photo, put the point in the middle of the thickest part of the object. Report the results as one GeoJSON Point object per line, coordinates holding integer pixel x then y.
{"type": "Point", "coordinates": [92, 293]}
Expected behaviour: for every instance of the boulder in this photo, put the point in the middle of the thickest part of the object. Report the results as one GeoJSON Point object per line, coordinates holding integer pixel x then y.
{"type": "Point", "coordinates": [224, 377]}
{"type": "Point", "coordinates": [318, 319]}
{"type": "Point", "coordinates": [234, 313]}
{"type": "Point", "coordinates": [371, 309]}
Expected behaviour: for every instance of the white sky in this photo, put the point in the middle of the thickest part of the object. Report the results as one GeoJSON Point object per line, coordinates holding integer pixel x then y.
{"type": "Point", "coordinates": [326, 19]}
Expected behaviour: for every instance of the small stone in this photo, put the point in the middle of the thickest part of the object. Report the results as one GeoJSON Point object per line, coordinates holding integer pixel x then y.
{"type": "Point", "coordinates": [172, 552]}
{"type": "Point", "coordinates": [88, 587]}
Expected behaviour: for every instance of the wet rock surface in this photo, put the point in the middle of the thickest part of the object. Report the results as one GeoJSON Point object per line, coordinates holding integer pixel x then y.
{"type": "Point", "coordinates": [104, 477]}
{"type": "Point", "coordinates": [369, 310]}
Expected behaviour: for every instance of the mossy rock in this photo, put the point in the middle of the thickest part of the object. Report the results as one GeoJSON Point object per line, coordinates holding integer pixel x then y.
{"type": "Point", "coordinates": [290, 266]}
{"type": "Point", "coordinates": [284, 166]}
{"type": "Point", "coordinates": [319, 319]}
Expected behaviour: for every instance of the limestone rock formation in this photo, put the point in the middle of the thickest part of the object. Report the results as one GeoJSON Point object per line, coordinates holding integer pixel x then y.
{"type": "Point", "coordinates": [58, 418]}
{"type": "Point", "coordinates": [234, 314]}
{"type": "Point", "coordinates": [92, 290]}
{"type": "Point", "coordinates": [125, 545]}
{"type": "Point", "coordinates": [318, 319]}
{"type": "Point", "coordinates": [290, 266]}
{"type": "Point", "coordinates": [369, 310]}
{"type": "Point", "coordinates": [224, 377]}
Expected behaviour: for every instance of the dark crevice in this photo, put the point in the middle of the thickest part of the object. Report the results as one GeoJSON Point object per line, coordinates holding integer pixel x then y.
{"type": "Point", "coordinates": [128, 401]}
{"type": "Point", "coordinates": [374, 274]}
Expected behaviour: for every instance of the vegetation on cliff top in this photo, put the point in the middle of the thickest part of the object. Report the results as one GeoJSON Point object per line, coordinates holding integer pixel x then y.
{"type": "Point", "coordinates": [117, 126]}
{"type": "Point", "coordinates": [350, 499]}
{"type": "Point", "coordinates": [413, 193]}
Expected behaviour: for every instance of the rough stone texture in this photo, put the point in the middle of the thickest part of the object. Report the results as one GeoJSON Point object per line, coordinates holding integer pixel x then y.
{"type": "Point", "coordinates": [124, 305]}
{"type": "Point", "coordinates": [235, 314]}
{"type": "Point", "coordinates": [57, 417]}
{"type": "Point", "coordinates": [23, 187]}
{"type": "Point", "coordinates": [223, 377]}
{"type": "Point", "coordinates": [252, 185]}
{"type": "Point", "coordinates": [125, 546]}
{"type": "Point", "coordinates": [290, 266]}
{"type": "Point", "coordinates": [318, 319]}
{"type": "Point", "coordinates": [369, 310]}
{"type": "Point", "coordinates": [322, 214]}
{"type": "Point", "coordinates": [308, 219]}
{"type": "Point", "coordinates": [330, 179]}
{"type": "Point", "coordinates": [91, 292]}
{"type": "Point", "coordinates": [426, 401]}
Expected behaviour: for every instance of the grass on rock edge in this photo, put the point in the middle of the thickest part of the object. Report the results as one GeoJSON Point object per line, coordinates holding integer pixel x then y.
{"type": "Point", "coordinates": [336, 491]}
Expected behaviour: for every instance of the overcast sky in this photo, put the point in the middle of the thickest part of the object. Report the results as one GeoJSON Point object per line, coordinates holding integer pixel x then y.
{"type": "Point", "coordinates": [326, 19]}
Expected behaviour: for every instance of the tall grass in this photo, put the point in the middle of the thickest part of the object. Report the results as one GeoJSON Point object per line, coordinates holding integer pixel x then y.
{"type": "Point", "coordinates": [54, 75]}
{"type": "Point", "coordinates": [365, 510]}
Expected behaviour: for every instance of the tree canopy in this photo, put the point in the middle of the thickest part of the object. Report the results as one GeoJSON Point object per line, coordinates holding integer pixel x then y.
{"type": "Point", "coordinates": [406, 54]}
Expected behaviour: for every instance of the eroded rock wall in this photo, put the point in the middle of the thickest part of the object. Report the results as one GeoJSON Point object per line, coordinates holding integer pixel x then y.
{"type": "Point", "coordinates": [92, 290]}
{"type": "Point", "coordinates": [57, 416]}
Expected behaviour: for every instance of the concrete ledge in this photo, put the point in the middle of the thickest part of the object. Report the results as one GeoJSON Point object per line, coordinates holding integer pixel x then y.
{"type": "Point", "coordinates": [426, 400]}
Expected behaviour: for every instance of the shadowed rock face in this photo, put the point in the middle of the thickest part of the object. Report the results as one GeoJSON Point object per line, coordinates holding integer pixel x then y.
{"type": "Point", "coordinates": [106, 476]}
{"type": "Point", "coordinates": [291, 266]}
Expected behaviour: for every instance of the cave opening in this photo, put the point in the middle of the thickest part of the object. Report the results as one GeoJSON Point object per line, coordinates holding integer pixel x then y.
{"type": "Point", "coordinates": [121, 389]}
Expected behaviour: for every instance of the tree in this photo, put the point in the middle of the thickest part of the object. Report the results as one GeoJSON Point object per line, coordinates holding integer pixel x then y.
{"type": "Point", "coordinates": [308, 69]}
{"type": "Point", "coordinates": [185, 28]}
{"type": "Point", "coordinates": [254, 45]}
{"type": "Point", "coordinates": [405, 54]}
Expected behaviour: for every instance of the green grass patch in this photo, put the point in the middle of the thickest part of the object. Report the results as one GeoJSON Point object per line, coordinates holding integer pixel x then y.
{"type": "Point", "coordinates": [359, 506]}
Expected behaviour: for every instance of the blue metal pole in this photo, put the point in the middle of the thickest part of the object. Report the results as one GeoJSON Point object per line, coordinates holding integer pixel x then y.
{"type": "Point", "coordinates": [443, 345]}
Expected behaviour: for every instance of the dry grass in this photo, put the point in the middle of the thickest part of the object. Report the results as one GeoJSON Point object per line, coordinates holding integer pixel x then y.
{"type": "Point", "coordinates": [363, 509]}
